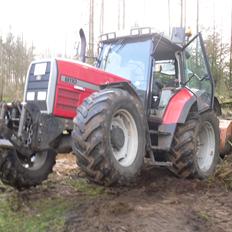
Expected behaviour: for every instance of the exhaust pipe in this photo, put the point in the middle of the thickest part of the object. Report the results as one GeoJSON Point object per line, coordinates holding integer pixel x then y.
{"type": "Point", "coordinates": [83, 45]}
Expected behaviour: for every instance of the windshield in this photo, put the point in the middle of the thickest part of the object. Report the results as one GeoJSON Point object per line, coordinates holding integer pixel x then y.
{"type": "Point", "coordinates": [129, 60]}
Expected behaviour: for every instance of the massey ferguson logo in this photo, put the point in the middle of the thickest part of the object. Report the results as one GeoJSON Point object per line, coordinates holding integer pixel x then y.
{"type": "Point", "coordinates": [79, 84]}
{"type": "Point", "coordinates": [69, 80]}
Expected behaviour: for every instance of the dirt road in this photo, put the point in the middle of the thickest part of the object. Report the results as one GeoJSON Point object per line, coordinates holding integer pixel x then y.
{"type": "Point", "coordinates": [157, 202]}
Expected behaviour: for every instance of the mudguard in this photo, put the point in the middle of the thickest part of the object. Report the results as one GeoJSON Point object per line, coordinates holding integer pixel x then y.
{"type": "Point", "coordinates": [122, 85]}
{"type": "Point", "coordinates": [176, 112]}
{"type": "Point", "coordinates": [179, 106]}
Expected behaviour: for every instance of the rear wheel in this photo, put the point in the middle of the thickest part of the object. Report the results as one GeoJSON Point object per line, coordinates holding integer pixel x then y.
{"type": "Point", "coordinates": [109, 137]}
{"type": "Point", "coordinates": [21, 172]}
{"type": "Point", "coordinates": [195, 149]}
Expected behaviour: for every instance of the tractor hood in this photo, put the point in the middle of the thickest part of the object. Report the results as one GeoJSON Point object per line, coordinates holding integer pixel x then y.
{"type": "Point", "coordinates": [75, 82]}
{"type": "Point", "coordinates": [84, 75]}
{"type": "Point", "coordinates": [59, 86]}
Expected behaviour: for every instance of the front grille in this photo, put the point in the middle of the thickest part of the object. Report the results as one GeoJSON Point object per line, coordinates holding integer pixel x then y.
{"type": "Point", "coordinates": [67, 100]}
{"type": "Point", "coordinates": [36, 85]}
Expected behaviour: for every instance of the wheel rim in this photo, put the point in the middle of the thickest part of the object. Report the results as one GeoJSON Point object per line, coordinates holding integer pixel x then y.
{"type": "Point", "coordinates": [35, 162]}
{"type": "Point", "coordinates": [125, 152]}
{"type": "Point", "coordinates": [205, 147]}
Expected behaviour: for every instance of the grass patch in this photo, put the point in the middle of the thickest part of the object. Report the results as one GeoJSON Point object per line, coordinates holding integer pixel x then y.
{"type": "Point", "coordinates": [39, 215]}
{"type": "Point", "coordinates": [3, 187]}
{"type": "Point", "coordinates": [83, 186]}
{"type": "Point", "coordinates": [203, 216]}
{"type": "Point", "coordinates": [20, 212]}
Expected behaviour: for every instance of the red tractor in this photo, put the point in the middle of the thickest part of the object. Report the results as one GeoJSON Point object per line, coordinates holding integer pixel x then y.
{"type": "Point", "coordinates": [147, 96]}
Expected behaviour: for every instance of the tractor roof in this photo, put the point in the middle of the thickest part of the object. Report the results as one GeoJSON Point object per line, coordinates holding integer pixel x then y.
{"type": "Point", "coordinates": [164, 47]}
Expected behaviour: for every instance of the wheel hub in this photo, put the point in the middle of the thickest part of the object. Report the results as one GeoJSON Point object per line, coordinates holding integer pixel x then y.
{"type": "Point", "coordinates": [117, 137]}
{"type": "Point", "coordinates": [35, 162]}
{"type": "Point", "coordinates": [205, 147]}
{"type": "Point", "coordinates": [124, 137]}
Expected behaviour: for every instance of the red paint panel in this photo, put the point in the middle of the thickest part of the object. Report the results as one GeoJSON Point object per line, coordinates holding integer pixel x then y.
{"type": "Point", "coordinates": [67, 100]}
{"type": "Point", "coordinates": [176, 106]}
{"type": "Point", "coordinates": [85, 72]}
{"type": "Point", "coordinates": [67, 97]}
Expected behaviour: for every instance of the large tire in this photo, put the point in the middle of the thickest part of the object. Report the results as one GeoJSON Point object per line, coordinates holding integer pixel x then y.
{"type": "Point", "coordinates": [99, 137]}
{"type": "Point", "coordinates": [21, 174]}
{"type": "Point", "coordinates": [195, 148]}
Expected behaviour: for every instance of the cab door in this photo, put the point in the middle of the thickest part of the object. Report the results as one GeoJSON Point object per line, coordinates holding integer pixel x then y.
{"type": "Point", "coordinates": [197, 75]}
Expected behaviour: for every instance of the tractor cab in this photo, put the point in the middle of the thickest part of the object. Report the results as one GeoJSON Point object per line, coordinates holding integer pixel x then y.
{"type": "Point", "coordinates": [158, 67]}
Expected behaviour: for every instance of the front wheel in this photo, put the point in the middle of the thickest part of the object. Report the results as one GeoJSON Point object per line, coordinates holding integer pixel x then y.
{"type": "Point", "coordinates": [21, 172]}
{"type": "Point", "coordinates": [195, 148]}
{"type": "Point", "coordinates": [109, 137]}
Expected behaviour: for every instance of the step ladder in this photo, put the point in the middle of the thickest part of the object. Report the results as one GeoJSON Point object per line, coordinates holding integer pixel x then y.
{"type": "Point", "coordinates": [154, 148]}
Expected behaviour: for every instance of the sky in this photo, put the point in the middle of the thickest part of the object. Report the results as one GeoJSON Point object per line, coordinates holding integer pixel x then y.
{"type": "Point", "coordinates": [52, 25]}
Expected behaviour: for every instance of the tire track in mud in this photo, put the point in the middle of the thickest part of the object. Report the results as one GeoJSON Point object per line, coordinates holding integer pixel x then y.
{"type": "Point", "coordinates": [158, 202]}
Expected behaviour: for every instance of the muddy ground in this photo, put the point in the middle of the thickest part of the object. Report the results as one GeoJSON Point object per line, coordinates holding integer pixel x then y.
{"type": "Point", "coordinates": [157, 202]}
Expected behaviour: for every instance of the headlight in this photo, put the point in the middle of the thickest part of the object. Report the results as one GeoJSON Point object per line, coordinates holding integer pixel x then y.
{"type": "Point", "coordinates": [30, 96]}
{"type": "Point", "coordinates": [41, 95]}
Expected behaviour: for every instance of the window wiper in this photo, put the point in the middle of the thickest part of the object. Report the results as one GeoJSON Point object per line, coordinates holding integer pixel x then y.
{"type": "Point", "coordinates": [161, 35]}
{"type": "Point", "coordinates": [122, 45]}
{"type": "Point", "coordinates": [112, 46]}
{"type": "Point", "coordinates": [106, 57]}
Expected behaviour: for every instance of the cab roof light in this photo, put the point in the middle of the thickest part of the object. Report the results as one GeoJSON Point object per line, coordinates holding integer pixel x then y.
{"type": "Point", "coordinates": [140, 31]}
{"type": "Point", "coordinates": [110, 35]}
